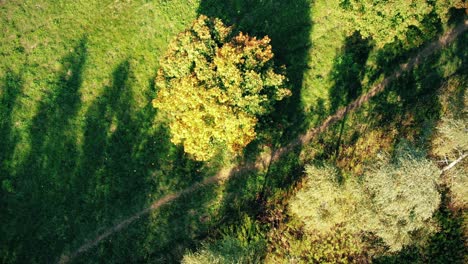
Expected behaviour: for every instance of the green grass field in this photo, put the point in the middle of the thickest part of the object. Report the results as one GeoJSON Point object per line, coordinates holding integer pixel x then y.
{"type": "Point", "coordinates": [81, 147]}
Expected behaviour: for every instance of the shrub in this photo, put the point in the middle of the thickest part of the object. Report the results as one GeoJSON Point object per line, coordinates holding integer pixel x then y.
{"type": "Point", "coordinates": [452, 138]}
{"type": "Point", "coordinates": [242, 243]}
{"type": "Point", "coordinates": [337, 246]}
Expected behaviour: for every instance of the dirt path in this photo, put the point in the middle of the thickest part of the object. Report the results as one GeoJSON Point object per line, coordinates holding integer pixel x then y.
{"type": "Point", "coordinates": [224, 174]}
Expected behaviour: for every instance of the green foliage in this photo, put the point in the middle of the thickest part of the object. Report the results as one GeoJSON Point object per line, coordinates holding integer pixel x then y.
{"type": "Point", "coordinates": [448, 245]}
{"type": "Point", "coordinates": [81, 149]}
{"type": "Point", "coordinates": [451, 138]}
{"type": "Point", "coordinates": [443, 7]}
{"type": "Point", "coordinates": [449, 143]}
{"type": "Point", "coordinates": [395, 201]}
{"type": "Point", "coordinates": [242, 243]}
{"type": "Point", "coordinates": [337, 246]}
{"type": "Point", "coordinates": [408, 21]}
{"type": "Point", "coordinates": [385, 21]}
{"type": "Point", "coordinates": [212, 86]}
{"type": "Point", "coordinates": [456, 180]}
{"type": "Point", "coordinates": [227, 250]}
{"type": "Point", "coordinates": [329, 207]}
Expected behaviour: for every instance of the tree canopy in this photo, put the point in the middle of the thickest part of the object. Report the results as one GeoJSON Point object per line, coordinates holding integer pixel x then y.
{"type": "Point", "coordinates": [385, 21]}
{"type": "Point", "coordinates": [213, 85]}
{"type": "Point", "coordinates": [395, 201]}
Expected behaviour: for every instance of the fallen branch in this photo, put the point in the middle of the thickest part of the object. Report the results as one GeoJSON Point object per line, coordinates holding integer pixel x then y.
{"type": "Point", "coordinates": [451, 165]}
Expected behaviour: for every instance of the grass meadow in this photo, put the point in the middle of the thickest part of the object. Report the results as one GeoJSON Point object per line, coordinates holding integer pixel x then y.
{"type": "Point", "coordinates": [81, 147]}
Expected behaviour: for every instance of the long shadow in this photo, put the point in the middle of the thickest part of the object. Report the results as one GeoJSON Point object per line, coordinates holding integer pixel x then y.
{"type": "Point", "coordinates": [130, 162]}
{"type": "Point", "coordinates": [88, 169]}
{"type": "Point", "coordinates": [37, 220]}
{"type": "Point", "coordinates": [288, 25]}
{"type": "Point", "coordinates": [12, 89]}
{"type": "Point", "coordinates": [348, 72]}
{"type": "Point", "coordinates": [411, 103]}
{"type": "Point", "coordinates": [111, 138]}
{"type": "Point", "coordinates": [408, 108]}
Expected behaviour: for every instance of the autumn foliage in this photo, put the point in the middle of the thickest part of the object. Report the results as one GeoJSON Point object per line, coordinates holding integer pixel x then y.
{"type": "Point", "coordinates": [213, 86]}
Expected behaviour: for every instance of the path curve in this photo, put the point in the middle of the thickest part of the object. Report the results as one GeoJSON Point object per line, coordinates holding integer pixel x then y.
{"type": "Point", "coordinates": [224, 174]}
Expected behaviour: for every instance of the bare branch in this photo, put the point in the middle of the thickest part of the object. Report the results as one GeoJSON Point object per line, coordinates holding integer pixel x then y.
{"type": "Point", "coordinates": [451, 165]}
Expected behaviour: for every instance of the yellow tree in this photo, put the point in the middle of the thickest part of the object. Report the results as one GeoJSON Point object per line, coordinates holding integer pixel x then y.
{"type": "Point", "coordinates": [213, 85]}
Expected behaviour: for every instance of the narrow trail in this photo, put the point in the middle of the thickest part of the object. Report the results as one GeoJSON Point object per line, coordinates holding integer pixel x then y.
{"type": "Point", "coordinates": [306, 138]}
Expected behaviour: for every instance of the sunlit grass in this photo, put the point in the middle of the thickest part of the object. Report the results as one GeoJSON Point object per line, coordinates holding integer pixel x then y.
{"type": "Point", "coordinates": [81, 148]}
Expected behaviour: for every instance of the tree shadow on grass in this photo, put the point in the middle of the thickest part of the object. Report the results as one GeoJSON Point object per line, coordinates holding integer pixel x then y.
{"type": "Point", "coordinates": [135, 165]}
{"type": "Point", "coordinates": [348, 72]}
{"type": "Point", "coordinates": [38, 201]}
{"type": "Point", "coordinates": [408, 108]}
{"type": "Point", "coordinates": [12, 89]}
{"type": "Point", "coordinates": [411, 103]}
{"type": "Point", "coordinates": [88, 169]}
